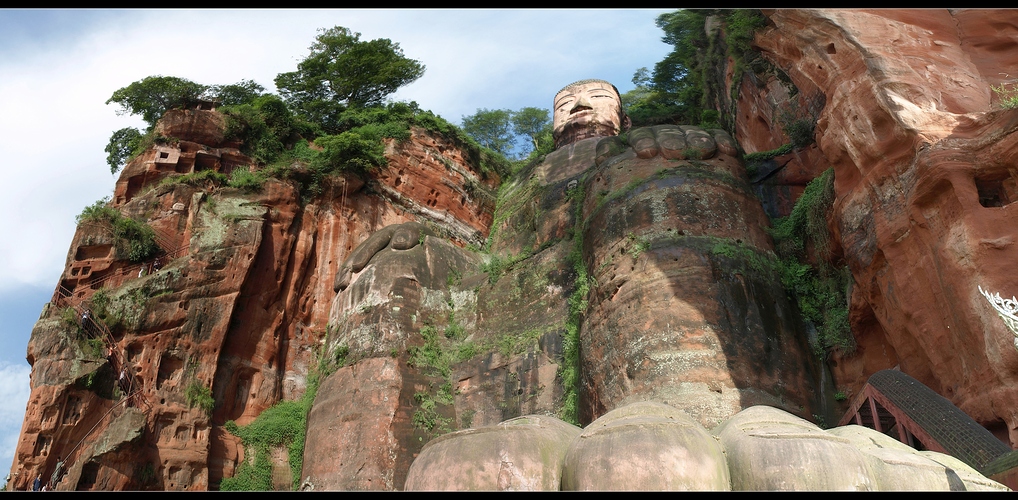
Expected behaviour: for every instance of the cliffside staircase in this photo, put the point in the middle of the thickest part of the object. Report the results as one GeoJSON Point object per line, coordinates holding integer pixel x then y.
{"type": "Point", "coordinates": [62, 296]}
{"type": "Point", "coordinates": [900, 406]}
{"type": "Point", "coordinates": [127, 383]}
{"type": "Point", "coordinates": [94, 328]}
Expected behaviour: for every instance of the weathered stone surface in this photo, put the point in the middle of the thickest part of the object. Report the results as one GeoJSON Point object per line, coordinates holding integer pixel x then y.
{"type": "Point", "coordinates": [196, 125]}
{"type": "Point", "coordinates": [645, 446]}
{"type": "Point", "coordinates": [684, 308]}
{"type": "Point", "coordinates": [650, 446]}
{"type": "Point", "coordinates": [923, 189]}
{"type": "Point", "coordinates": [395, 303]}
{"type": "Point", "coordinates": [899, 467]}
{"type": "Point", "coordinates": [119, 441]}
{"type": "Point", "coordinates": [240, 311]}
{"type": "Point", "coordinates": [687, 308]}
{"type": "Point", "coordinates": [430, 180]}
{"type": "Point", "coordinates": [763, 445]}
{"type": "Point", "coordinates": [420, 299]}
{"type": "Point", "coordinates": [354, 423]}
{"type": "Point", "coordinates": [396, 294]}
{"type": "Point", "coordinates": [587, 108]}
{"type": "Point", "coordinates": [520, 454]}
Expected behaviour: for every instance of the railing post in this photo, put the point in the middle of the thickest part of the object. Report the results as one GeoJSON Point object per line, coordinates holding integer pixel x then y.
{"type": "Point", "coordinates": [876, 416]}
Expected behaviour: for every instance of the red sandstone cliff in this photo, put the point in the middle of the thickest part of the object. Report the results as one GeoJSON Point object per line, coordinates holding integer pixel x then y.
{"type": "Point", "coordinates": [239, 305]}
{"type": "Point", "coordinates": [254, 287]}
{"type": "Point", "coordinates": [924, 173]}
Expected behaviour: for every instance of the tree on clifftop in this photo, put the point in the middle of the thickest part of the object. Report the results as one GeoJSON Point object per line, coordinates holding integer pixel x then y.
{"type": "Point", "coordinates": [531, 123]}
{"type": "Point", "coordinates": [492, 128]}
{"type": "Point", "coordinates": [343, 71]}
{"type": "Point", "coordinates": [502, 130]}
{"type": "Point", "coordinates": [123, 146]}
{"type": "Point", "coordinates": [154, 95]}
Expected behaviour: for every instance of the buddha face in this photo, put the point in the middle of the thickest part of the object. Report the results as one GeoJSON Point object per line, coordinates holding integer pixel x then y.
{"type": "Point", "coordinates": [589, 108]}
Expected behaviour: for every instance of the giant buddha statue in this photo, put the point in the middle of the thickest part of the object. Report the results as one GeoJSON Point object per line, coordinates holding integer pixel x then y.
{"type": "Point", "coordinates": [695, 372]}
{"type": "Point", "coordinates": [659, 226]}
{"type": "Point", "coordinates": [684, 308]}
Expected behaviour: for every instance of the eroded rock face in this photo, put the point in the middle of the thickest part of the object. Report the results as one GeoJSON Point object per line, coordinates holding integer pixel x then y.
{"type": "Point", "coordinates": [763, 444]}
{"type": "Point", "coordinates": [923, 188]}
{"type": "Point", "coordinates": [897, 466]}
{"type": "Point", "coordinates": [422, 303]}
{"type": "Point", "coordinates": [380, 278]}
{"type": "Point", "coordinates": [699, 325]}
{"type": "Point", "coordinates": [357, 422]}
{"type": "Point", "coordinates": [238, 306]}
{"type": "Point", "coordinates": [203, 126]}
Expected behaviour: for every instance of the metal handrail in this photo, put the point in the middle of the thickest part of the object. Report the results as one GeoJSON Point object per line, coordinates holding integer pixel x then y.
{"type": "Point", "coordinates": [95, 327]}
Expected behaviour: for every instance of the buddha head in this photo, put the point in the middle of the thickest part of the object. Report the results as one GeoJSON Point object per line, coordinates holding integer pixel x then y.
{"type": "Point", "coordinates": [588, 108]}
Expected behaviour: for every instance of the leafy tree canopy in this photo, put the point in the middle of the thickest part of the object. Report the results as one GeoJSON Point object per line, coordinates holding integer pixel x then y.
{"type": "Point", "coordinates": [343, 71]}
{"type": "Point", "coordinates": [265, 127]}
{"type": "Point", "coordinates": [134, 240]}
{"type": "Point", "coordinates": [332, 115]}
{"type": "Point", "coordinates": [492, 128]}
{"type": "Point", "coordinates": [242, 92]}
{"type": "Point", "coordinates": [154, 95]}
{"type": "Point", "coordinates": [121, 147]}
{"type": "Point", "coordinates": [530, 122]}
{"type": "Point", "coordinates": [501, 129]}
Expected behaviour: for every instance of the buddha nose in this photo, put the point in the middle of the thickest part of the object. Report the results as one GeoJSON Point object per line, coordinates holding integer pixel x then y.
{"type": "Point", "coordinates": [581, 104]}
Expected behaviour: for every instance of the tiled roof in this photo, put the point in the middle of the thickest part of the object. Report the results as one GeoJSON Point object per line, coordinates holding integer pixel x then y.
{"type": "Point", "coordinates": [954, 430]}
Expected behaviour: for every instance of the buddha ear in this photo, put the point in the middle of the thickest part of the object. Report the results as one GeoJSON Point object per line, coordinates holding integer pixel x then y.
{"type": "Point", "coordinates": [626, 123]}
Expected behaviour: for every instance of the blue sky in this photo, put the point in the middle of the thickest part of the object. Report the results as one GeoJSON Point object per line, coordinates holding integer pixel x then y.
{"type": "Point", "coordinates": [58, 68]}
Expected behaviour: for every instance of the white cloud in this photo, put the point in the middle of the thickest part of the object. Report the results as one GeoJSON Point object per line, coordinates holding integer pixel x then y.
{"type": "Point", "coordinates": [14, 392]}
{"type": "Point", "coordinates": [55, 124]}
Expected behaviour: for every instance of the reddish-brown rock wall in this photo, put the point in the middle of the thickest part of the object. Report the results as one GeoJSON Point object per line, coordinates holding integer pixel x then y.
{"type": "Point", "coordinates": [431, 336]}
{"type": "Point", "coordinates": [923, 186]}
{"type": "Point", "coordinates": [240, 311]}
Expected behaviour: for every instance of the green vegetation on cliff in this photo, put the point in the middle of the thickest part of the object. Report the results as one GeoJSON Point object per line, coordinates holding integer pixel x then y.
{"type": "Point", "coordinates": [1007, 93]}
{"type": "Point", "coordinates": [685, 86]}
{"type": "Point", "coordinates": [200, 395]}
{"type": "Point", "coordinates": [134, 240]}
{"type": "Point", "coordinates": [279, 141]}
{"type": "Point", "coordinates": [124, 145]}
{"type": "Point", "coordinates": [820, 288]}
{"type": "Point", "coordinates": [569, 371]}
{"type": "Point", "coordinates": [153, 96]}
{"type": "Point", "coordinates": [330, 118]}
{"type": "Point", "coordinates": [284, 424]}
